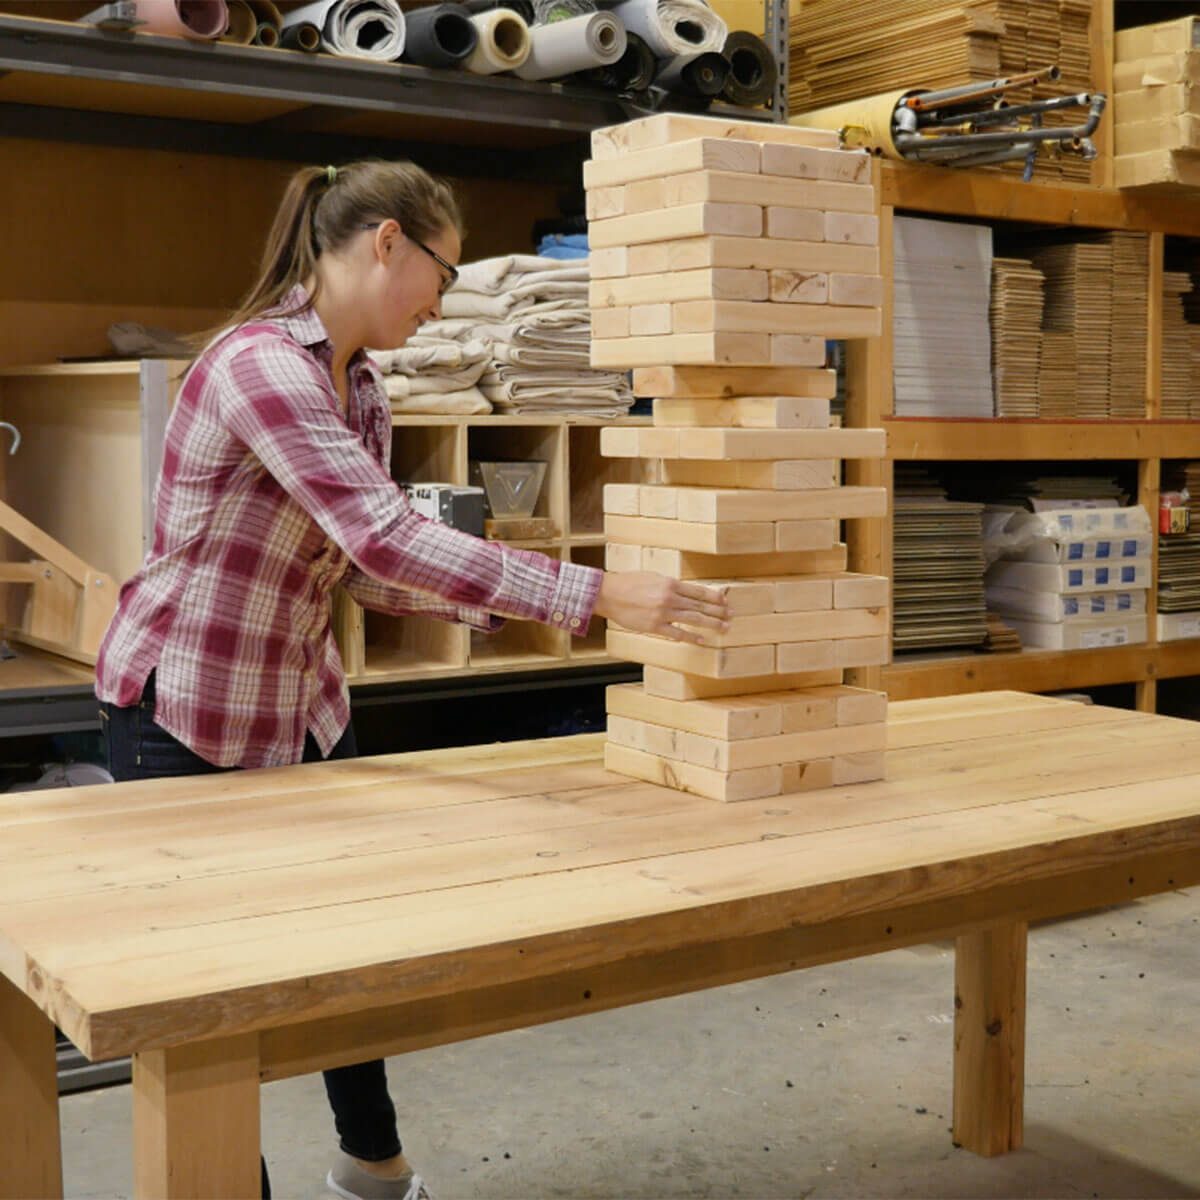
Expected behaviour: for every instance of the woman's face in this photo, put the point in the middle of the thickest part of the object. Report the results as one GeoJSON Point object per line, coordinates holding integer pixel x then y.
{"type": "Point", "coordinates": [407, 283]}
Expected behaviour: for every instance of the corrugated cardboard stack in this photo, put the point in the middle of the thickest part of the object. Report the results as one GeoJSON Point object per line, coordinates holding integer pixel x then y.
{"type": "Point", "coordinates": [1156, 108]}
{"type": "Point", "coordinates": [723, 255]}
{"type": "Point", "coordinates": [1016, 317]}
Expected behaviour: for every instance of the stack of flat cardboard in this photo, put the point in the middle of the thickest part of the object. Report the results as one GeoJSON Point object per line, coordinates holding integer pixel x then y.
{"type": "Point", "coordinates": [1179, 560]}
{"type": "Point", "coordinates": [1177, 375]}
{"type": "Point", "coordinates": [1016, 317]}
{"type": "Point", "coordinates": [1128, 333]}
{"type": "Point", "coordinates": [723, 255]}
{"type": "Point", "coordinates": [1156, 108]}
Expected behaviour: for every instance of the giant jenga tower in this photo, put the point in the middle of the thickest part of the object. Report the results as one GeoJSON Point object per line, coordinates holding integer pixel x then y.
{"type": "Point", "coordinates": [723, 254]}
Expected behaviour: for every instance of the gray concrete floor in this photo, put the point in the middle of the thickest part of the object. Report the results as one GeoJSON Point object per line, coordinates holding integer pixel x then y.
{"type": "Point", "coordinates": [834, 1081]}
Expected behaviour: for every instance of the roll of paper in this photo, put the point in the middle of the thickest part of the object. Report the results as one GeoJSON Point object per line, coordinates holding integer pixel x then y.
{"type": "Point", "coordinates": [523, 8]}
{"type": "Point", "coordinates": [203, 20]}
{"type": "Point", "coordinates": [576, 44]}
{"type": "Point", "coordinates": [694, 75]}
{"type": "Point", "coordinates": [266, 35]}
{"type": "Point", "coordinates": [242, 24]}
{"type": "Point", "coordinates": [304, 37]}
{"type": "Point", "coordinates": [546, 12]}
{"type": "Point", "coordinates": [753, 72]}
{"type": "Point", "coordinates": [266, 14]}
{"type": "Point", "coordinates": [357, 28]}
{"type": "Point", "coordinates": [503, 43]}
{"type": "Point", "coordinates": [674, 27]}
{"type": "Point", "coordinates": [439, 35]}
{"type": "Point", "coordinates": [864, 124]}
{"type": "Point", "coordinates": [632, 72]}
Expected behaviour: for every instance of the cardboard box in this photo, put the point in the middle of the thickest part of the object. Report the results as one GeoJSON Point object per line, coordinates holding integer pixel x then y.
{"type": "Point", "coordinates": [1178, 132]}
{"type": "Point", "coordinates": [1181, 67]}
{"type": "Point", "coordinates": [1054, 606]}
{"type": "Point", "coordinates": [1080, 635]}
{"type": "Point", "coordinates": [1166, 37]}
{"type": "Point", "coordinates": [458, 507]}
{"type": "Point", "coordinates": [1174, 627]}
{"type": "Point", "coordinates": [1126, 575]}
{"type": "Point", "coordinates": [1157, 169]}
{"type": "Point", "coordinates": [1150, 103]}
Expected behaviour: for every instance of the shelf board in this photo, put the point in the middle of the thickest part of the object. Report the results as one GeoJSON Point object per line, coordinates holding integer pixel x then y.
{"type": "Point", "coordinates": [493, 420]}
{"type": "Point", "coordinates": [588, 539]}
{"type": "Point", "coordinates": [986, 440]}
{"type": "Point", "coordinates": [985, 195]}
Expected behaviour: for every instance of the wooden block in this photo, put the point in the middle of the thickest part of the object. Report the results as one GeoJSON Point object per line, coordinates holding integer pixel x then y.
{"type": "Point", "coordinates": [799, 350]}
{"type": "Point", "coordinates": [860, 591]}
{"type": "Point", "coordinates": [730, 382]}
{"type": "Point", "coordinates": [714, 662]}
{"type": "Point", "coordinates": [854, 228]}
{"type": "Point", "coordinates": [661, 502]}
{"type": "Point", "coordinates": [803, 593]}
{"type": "Point", "coordinates": [794, 224]}
{"type": "Point", "coordinates": [728, 187]}
{"type": "Point", "coordinates": [859, 768]}
{"type": "Point", "coordinates": [762, 254]}
{"type": "Point", "coordinates": [625, 441]}
{"type": "Point", "coordinates": [620, 556]}
{"type": "Point", "coordinates": [688, 220]}
{"type": "Point", "coordinates": [866, 290]}
{"type": "Point", "coordinates": [649, 320]}
{"type": "Point", "coordinates": [613, 322]}
{"type": "Point", "coordinates": [807, 711]}
{"type": "Point", "coordinates": [605, 202]}
{"type": "Point", "coordinates": [862, 652]}
{"type": "Point", "coordinates": [735, 537]}
{"type": "Point", "coordinates": [729, 718]}
{"type": "Point", "coordinates": [611, 262]}
{"type": "Point", "coordinates": [697, 154]}
{"type": "Point", "coordinates": [817, 655]}
{"type": "Point", "coordinates": [807, 776]}
{"type": "Point", "coordinates": [642, 735]}
{"type": "Point", "coordinates": [615, 141]}
{"type": "Point", "coordinates": [796, 162]}
{"type": "Point", "coordinates": [748, 753]}
{"type": "Point", "coordinates": [749, 504]}
{"type": "Point", "coordinates": [799, 287]}
{"type": "Point", "coordinates": [723, 445]}
{"type": "Point", "coordinates": [698, 349]}
{"type": "Point", "coordinates": [686, 777]}
{"type": "Point", "coordinates": [677, 685]}
{"type": "Point", "coordinates": [745, 597]}
{"type": "Point", "coordinates": [744, 412]}
{"type": "Point", "coordinates": [622, 499]}
{"type": "Point", "coordinates": [793, 536]}
{"type": "Point", "coordinates": [793, 627]}
{"type": "Point", "coordinates": [683, 564]}
{"type": "Point", "coordinates": [740, 316]}
{"type": "Point", "coordinates": [784, 476]}
{"type": "Point", "coordinates": [709, 283]}
{"type": "Point", "coordinates": [855, 706]}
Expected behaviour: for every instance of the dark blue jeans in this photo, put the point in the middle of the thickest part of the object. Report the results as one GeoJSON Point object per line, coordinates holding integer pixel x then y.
{"type": "Point", "coordinates": [139, 748]}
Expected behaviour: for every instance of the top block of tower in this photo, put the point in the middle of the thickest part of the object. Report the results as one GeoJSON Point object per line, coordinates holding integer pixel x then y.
{"type": "Point", "coordinates": [659, 130]}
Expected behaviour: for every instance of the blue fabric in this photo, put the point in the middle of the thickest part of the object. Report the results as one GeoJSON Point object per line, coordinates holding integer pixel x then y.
{"type": "Point", "coordinates": [563, 245]}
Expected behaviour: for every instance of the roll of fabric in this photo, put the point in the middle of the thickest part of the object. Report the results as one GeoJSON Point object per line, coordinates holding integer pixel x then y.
{"type": "Point", "coordinates": [577, 44]}
{"type": "Point", "coordinates": [269, 22]}
{"type": "Point", "coordinates": [241, 27]}
{"type": "Point", "coordinates": [202, 20]}
{"type": "Point", "coordinates": [753, 72]}
{"type": "Point", "coordinates": [546, 12]}
{"type": "Point", "coordinates": [523, 8]}
{"type": "Point", "coordinates": [503, 42]}
{"type": "Point", "coordinates": [632, 72]}
{"type": "Point", "coordinates": [372, 29]}
{"type": "Point", "coordinates": [701, 75]}
{"type": "Point", "coordinates": [674, 27]}
{"type": "Point", "coordinates": [304, 37]}
{"type": "Point", "coordinates": [440, 35]}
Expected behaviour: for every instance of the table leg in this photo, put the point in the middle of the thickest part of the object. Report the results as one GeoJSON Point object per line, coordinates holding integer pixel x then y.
{"type": "Point", "coordinates": [989, 1039]}
{"type": "Point", "coordinates": [196, 1120]}
{"type": "Point", "coordinates": [31, 1165]}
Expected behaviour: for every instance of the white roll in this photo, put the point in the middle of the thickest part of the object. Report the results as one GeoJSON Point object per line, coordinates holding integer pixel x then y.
{"type": "Point", "coordinates": [344, 24]}
{"type": "Point", "coordinates": [503, 45]}
{"type": "Point", "coordinates": [203, 20]}
{"type": "Point", "coordinates": [577, 44]}
{"type": "Point", "coordinates": [672, 28]}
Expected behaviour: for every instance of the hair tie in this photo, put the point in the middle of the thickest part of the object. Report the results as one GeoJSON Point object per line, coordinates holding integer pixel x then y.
{"type": "Point", "coordinates": [331, 175]}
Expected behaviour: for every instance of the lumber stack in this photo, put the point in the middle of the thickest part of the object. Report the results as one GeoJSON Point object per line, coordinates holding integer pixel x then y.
{"type": "Point", "coordinates": [724, 255]}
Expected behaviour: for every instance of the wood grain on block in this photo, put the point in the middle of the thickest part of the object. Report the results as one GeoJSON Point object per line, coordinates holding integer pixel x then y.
{"type": "Point", "coordinates": [728, 717]}
{"type": "Point", "coordinates": [604, 202]}
{"type": "Point", "coordinates": [728, 187]}
{"type": "Point", "coordinates": [744, 597]}
{"type": "Point", "coordinates": [661, 740]}
{"type": "Point", "coordinates": [611, 262]}
{"type": "Point", "coordinates": [734, 537]}
{"type": "Point", "coordinates": [688, 220]}
{"type": "Point", "coordinates": [780, 627]}
{"type": "Point", "coordinates": [799, 287]}
{"type": "Point", "coordinates": [794, 224]}
{"type": "Point", "coordinates": [799, 162]}
{"type": "Point", "coordinates": [805, 535]}
{"type": "Point", "coordinates": [855, 228]}
{"type": "Point", "coordinates": [797, 350]}
{"type": "Point", "coordinates": [817, 655]}
{"type": "Point", "coordinates": [620, 556]}
{"type": "Point", "coordinates": [802, 593]}
{"type": "Point", "coordinates": [741, 316]}
{"type": "Point", "coordinates": [860, 591]}
{"type": "Point", "coordinates": [683, 564]}
{"type": "Point", "coordinates": [621, 499]}
{"type": "Point", "coordinates": [696, 154]}
{"type": "Point", "coordinates": [625, 441]}
{"type": "Point", "coordinates": [725, 445]}
{"type": "Point", "coordinates": [661, 502]}
{"type": "Point", "coordinates": [708, 283]}
{"type": "Point", "coordinates": [694, 349]}
{"type": "Point", "coordinates": [613, 141]}
{"type": "Point", "coordinates": [784, 475]}
{"type": "Point", "coordinates": [679, 685]}
{"type": "Point", "coordinates": [865, 290]}
{"type": "Point", "coordinates": [852, 706]}
{"type": "Point", "coordinates": [724, 755]}
{"type": "Point", "coordinates": [731, 382]}
{"type": "Point", "coordinates": [744, 412]}
{"type": "Point", "coordinates": [862, 652]}
{"type": "Point", "coordinates": [762, 254]}
{"type": "Point", "coordinates": [613, 322]}
{"type": "Point", "coordinates": [748, 504]}
{"type": "Point", "coordinates": [728, 787]}
{"type": "Point", "coordinates": [648, 320]}
{"type": "Point", "coordinates": [807, 776]}
{"type": "Point", "coordinates": [859, 768]}
{"type": "Point", "coordinates": [714, 662]}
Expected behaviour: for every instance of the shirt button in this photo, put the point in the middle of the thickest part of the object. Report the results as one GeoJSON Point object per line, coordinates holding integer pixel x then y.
{"type": "Point", "coordinates": [559, 616]}
{"type": "Point", "coordinates": [575, 622]}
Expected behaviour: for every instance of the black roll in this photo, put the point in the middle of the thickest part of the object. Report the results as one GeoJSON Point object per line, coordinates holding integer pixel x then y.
{"type": "Point", "coordinates": [632, 72]}
{"type": "Point", "coordinates": [704, 76]}
{"type": "Point", "coordinates": [305, 36]}
{"type": "Point", "coordinates": [523, 8]}
{"type": "Point", "coordinates": [439, 36]}
{"type": "Point", "coordinates": [753, 72]}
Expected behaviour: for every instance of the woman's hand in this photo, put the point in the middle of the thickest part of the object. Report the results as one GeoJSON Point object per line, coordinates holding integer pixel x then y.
{"type": "Point", "coordinates": [651, 603]}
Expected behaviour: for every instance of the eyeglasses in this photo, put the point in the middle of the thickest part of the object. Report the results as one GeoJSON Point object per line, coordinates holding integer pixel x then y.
{"type": "Point", "coordinates": [451, 270]}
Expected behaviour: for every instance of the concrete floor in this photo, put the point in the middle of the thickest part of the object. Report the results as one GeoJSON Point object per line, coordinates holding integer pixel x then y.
{"type": "Point", "coordinates": [834, 1081]}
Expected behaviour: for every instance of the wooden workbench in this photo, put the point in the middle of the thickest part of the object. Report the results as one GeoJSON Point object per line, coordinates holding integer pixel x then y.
{"type": "Point", "coordinates": [256, 925]}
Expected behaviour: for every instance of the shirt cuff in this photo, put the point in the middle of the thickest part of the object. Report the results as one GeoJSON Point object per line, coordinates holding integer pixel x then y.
{"type": "Point", "coordinates": [574, 598]}
{"type": "Point", "coordinates": [481, 619]}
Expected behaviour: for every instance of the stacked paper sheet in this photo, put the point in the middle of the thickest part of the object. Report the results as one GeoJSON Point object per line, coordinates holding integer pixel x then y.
{"type": "Point", "coordinates": [1016, 315]}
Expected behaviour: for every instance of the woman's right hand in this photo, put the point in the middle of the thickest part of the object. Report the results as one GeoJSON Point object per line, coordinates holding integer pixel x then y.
{"type": "Point", "coordinates": [672, 608]}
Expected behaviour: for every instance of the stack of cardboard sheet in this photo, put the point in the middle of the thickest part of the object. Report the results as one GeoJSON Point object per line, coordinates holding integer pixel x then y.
{"type": "Point", "coordinates": [941, 296]}
{"type": "Point", "coordinates": [1058, 383]}
{"type": "Point", "coordinates": [1016, 318]}
{"type": "Point", "coordinates": [723, 255]}
{"type": "Point", "coordinates": [1129, 333]}
{"type": "Point", "coordinates": [1178, 378]}
{"type": "Point", "coordinates": [1001, 637]}
{"type": "Point", "coordinates": [1156, 108]}
{"type": "Point", "coordinates": [1179, 559]}
{"type": "Point", "coordinates": [937, 571]}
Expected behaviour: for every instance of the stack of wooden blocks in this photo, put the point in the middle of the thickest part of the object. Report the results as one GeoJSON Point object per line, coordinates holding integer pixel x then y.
{"type": "Point", "coordinates": [723, 255]}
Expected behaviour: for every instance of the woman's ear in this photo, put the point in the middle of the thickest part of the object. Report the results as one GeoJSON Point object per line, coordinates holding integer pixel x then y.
{"type": "Point", "coordinates": [388, 238]}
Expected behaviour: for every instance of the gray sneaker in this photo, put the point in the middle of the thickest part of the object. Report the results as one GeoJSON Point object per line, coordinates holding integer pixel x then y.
{"type": "Point", "coordinates": [348, 1180]}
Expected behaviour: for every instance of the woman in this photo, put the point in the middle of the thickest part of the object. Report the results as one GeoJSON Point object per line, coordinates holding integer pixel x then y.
{"type": "Point", "coordinates": [275, 487]}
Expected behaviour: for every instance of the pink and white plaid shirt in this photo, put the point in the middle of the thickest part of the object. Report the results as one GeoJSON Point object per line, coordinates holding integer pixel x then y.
{"type": "Point", "coordinates": [269, 497]}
